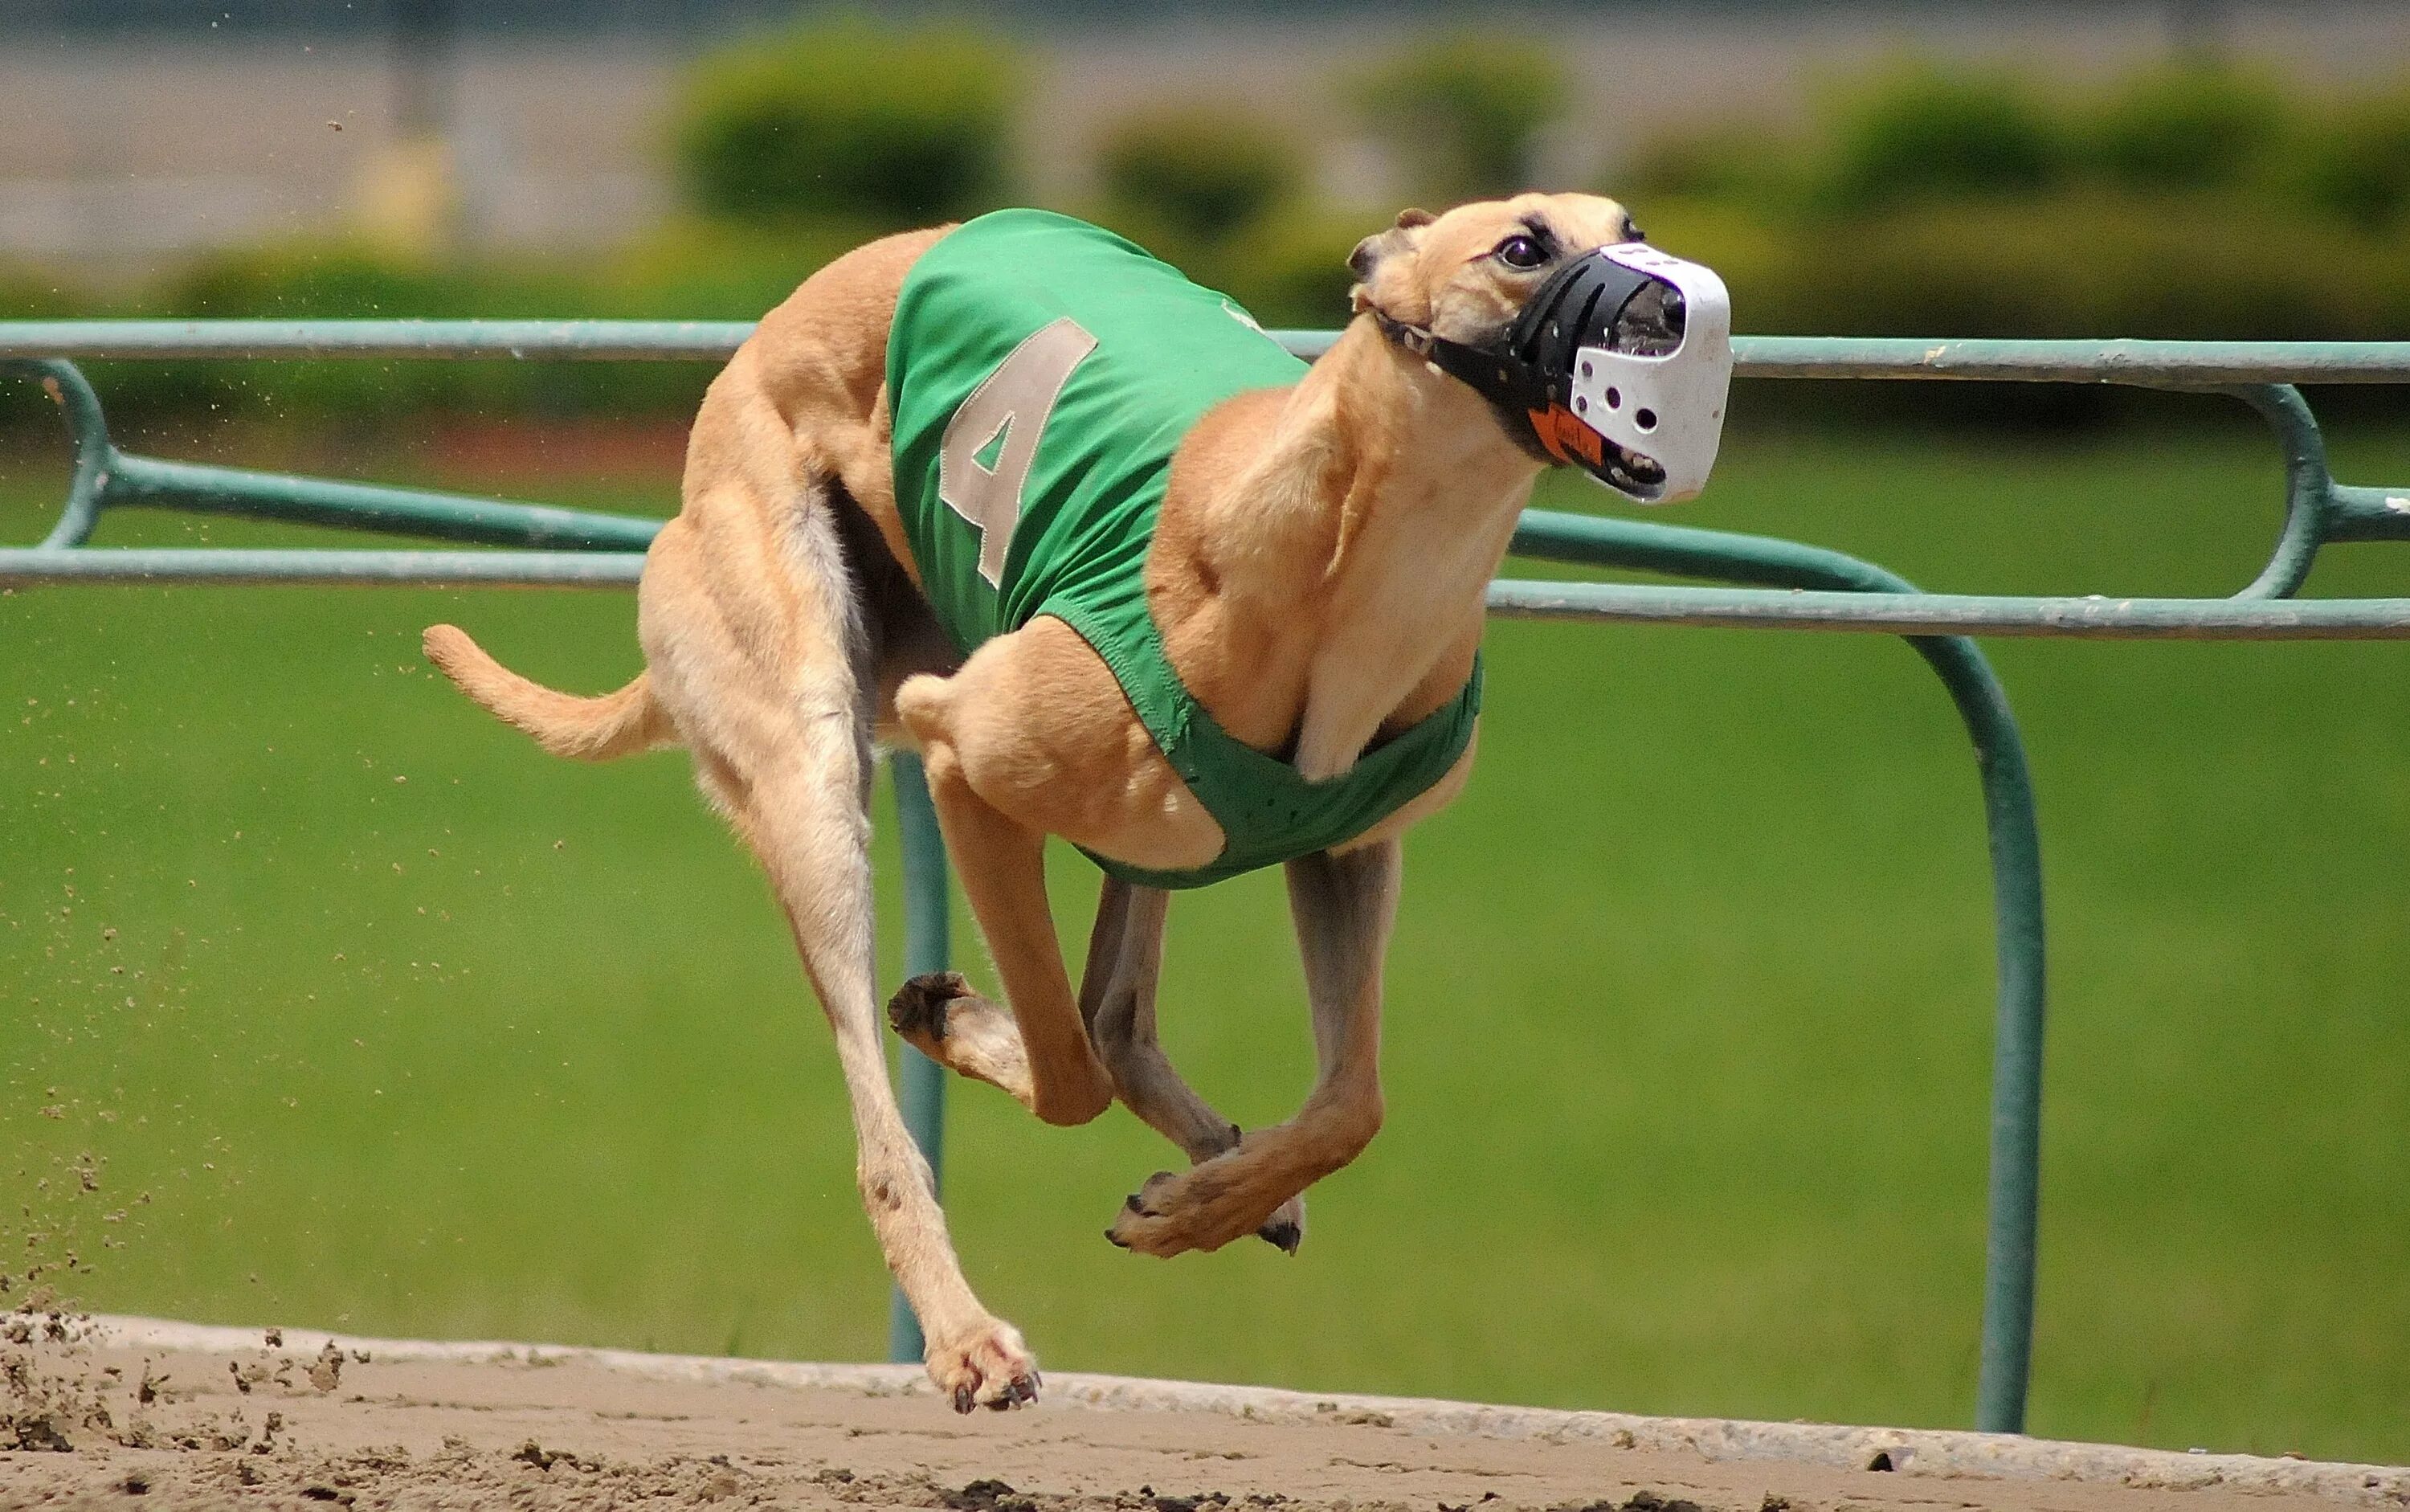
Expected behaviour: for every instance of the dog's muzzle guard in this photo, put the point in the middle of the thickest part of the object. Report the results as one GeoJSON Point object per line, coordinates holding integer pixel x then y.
{"type": "Point", "coordinates": [1620, 365]}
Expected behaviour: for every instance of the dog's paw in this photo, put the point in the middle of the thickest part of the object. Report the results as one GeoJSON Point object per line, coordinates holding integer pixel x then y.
{"type": "Point", "coordinates": [1201, 1209]}
{"type": "Point", "coordinates": [986, 1365]}
{"type": "Point", "coordinates": [1284, 1231]}
{"type": "Point", "coordinates": [941, 1017]}
{"type": "Point", "coordinates": [918, 1009]}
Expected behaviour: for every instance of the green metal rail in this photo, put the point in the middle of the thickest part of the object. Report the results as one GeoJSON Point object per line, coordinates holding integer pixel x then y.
{"type": "Point", "coordinates": [1788, 585]}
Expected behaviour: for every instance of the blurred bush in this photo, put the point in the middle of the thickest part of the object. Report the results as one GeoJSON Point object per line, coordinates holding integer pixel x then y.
{"type": "Point", "coordinates": [1925, 202]}
{"type": "Point", "coordinates": [1463, 111]}
{"type": "Point", "coordinates": [1737, 163]}
{"type": "Point", "coordinates": [2195, 125]}
{"type": "Point", "coordinates": [705, 269]}
{"type": "Point", "coordinates": [31, 294]}
{"type": "Point", "coordinates": [2357, 166]}
{"type": "Point", "coordinates": [1218, 194]}
{"type": "Point", "coordinates": [897, 127]}
{"type": "Point", "coordinates": [1932, 202]}
{"type": "Point", "coordinates": [1202, 172]}
{"type": "Point", "coordinates": [1287, 265]}
{"type": "Point", "coordinates": [1920, 133]}
{"type": "Point", "coordinates": [2077, 265]}
{"type": "Point", "coordinates": [1290, 268]}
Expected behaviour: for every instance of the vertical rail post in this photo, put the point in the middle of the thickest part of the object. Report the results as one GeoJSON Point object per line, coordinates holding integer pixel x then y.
{"type": "Point", "coordinates": [926, 948]}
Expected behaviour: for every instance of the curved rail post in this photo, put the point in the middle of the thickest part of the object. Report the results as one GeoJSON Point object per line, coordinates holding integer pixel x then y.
{"type": "Point", "coordinates": [2318, 509]}
{"type": "Point", "coordinates": [2016, 847]}
{"type": "Point", "coordinates": [96, 455]}
{"type": "Point", "coordinates": [2309, 488]}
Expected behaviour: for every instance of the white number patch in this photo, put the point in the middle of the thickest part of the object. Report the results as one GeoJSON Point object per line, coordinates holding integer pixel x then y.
{"type": "Point", "coordinates": [1014, 403]}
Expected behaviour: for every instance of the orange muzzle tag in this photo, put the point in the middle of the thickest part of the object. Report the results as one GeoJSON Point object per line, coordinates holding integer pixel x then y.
{"type": "Point", "coordinates": [1567, 439]}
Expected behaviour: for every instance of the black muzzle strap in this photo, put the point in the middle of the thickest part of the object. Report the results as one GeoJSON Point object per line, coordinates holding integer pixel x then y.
{"type": "Point", "coordinates": [1502, 378]}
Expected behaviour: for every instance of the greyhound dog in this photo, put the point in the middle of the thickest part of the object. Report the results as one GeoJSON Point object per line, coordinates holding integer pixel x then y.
{"type": "Point", "coordinates": [1313, 568]}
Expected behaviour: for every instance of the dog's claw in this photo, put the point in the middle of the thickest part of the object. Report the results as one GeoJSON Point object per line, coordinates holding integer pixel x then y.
{"type": "Point", "coordinates": [964, 1400]}
{"type": "Point", "coordinates": [1283, 1236]}
{"type": "Point", "coordinates": [1018, 1392]}
{"type": "Point", "coordinates": [1137, 1202]}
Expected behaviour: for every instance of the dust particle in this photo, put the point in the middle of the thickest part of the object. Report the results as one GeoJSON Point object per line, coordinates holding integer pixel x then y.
{"type": "Point", "coordinates": [328, 1372]}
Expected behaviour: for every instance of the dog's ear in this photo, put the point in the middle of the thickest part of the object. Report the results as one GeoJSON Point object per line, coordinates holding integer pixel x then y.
{"type": "Point", "coordinates": [1365, 261]}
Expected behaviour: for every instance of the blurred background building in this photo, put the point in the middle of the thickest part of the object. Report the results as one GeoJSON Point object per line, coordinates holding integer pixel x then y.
{"type": "Point", "coordinates": [140, 130]}
{"type": "Point", "coordinates": [1994, 169]}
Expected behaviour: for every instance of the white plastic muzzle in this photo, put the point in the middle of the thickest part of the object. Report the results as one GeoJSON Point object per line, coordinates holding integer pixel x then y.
{"type": "Point", "coordinates": [1666, 407]}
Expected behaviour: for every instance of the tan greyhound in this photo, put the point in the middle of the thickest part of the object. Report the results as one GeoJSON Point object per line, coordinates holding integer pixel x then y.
{"type": "Point", "coordinates": [1316, 573]}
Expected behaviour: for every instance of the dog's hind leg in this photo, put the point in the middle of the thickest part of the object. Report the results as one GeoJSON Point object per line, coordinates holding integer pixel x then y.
{"type": "Point", "coordinates": [1343, 906]}
{"type": "Point", "coordinates": [1117, 999]}
{"type": "Point", "coordinates": [757, 650]}
{"type": "Point", "coordinates": [1038, 1050]}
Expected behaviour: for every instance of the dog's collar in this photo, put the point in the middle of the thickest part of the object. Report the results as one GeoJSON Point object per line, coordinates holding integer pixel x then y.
{"type": "Point", "coordinates": [1514, 390]}
{"type": "Point", "coordinates": [1497, 375]}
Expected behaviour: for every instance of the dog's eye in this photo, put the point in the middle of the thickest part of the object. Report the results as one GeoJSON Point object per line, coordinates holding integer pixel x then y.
{"type": "Point", "coordinates": [1519, 251]}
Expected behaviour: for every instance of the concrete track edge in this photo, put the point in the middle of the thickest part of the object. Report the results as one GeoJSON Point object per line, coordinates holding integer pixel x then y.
{"type": "Point", "coordinates": [1910, 1451]}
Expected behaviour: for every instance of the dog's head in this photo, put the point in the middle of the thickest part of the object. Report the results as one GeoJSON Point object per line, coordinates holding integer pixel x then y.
{"type": "Point", "coordinates": [1593, 351]}
{"type": "Point", "coordinates": [1466, 275]}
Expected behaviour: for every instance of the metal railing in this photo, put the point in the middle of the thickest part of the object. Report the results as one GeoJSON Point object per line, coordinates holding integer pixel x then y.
{"type": "Point", "coordinates": [1788, 585]}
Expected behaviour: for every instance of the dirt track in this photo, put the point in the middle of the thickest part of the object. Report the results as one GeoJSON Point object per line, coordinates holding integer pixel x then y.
{"type": "Point", "coordinates": [302, 1423]}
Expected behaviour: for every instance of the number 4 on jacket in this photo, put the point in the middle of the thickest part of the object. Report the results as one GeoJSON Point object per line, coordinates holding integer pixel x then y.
{"type": "Point", "coordinates": [983, 462]}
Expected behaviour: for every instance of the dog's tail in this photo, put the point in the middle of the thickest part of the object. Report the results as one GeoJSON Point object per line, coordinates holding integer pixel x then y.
{"type": "Point", "coordinates": [588, 729]}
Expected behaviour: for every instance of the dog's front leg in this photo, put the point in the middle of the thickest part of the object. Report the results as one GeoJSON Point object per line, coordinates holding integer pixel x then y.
{"type": "Point", "coordinates": [1343, 906]}
{"type": "Point", "coordinates": [1117, 999]}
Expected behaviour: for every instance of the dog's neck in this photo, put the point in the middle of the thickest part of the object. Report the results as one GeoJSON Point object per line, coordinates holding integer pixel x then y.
{"type": "Point", "coordinates": [1318, 568]}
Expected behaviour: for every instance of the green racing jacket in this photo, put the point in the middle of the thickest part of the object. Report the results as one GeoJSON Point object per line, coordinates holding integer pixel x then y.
{"type": "Point", "coordinates": [1041, 373]}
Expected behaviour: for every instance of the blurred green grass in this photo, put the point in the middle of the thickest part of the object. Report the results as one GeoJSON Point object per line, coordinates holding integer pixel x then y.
{"type": "Point", "coordinates": [405, 1028]}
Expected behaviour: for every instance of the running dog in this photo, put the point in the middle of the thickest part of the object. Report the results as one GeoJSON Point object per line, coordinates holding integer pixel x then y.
{"type": "Point", "coordinates": [1025, 500]}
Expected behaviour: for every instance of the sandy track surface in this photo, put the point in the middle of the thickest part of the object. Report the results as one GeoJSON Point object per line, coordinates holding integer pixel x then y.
{"type": "Point", "coordinates": [102, 1413]}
